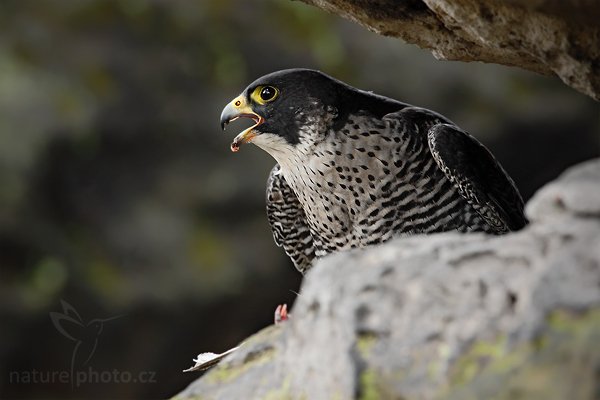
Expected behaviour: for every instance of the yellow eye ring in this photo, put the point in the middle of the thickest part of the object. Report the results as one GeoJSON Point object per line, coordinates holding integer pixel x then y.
{"type": "Point", "coordinates": [264, 94]}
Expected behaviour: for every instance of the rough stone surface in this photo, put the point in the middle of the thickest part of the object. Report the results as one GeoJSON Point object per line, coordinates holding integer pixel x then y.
{"type": "Point", "coordinates": [442, 316]}
{"type": "Point", "coordinates": [546, 36]}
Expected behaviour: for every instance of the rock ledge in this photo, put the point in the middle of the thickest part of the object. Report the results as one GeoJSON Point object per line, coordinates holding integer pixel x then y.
{"type": "Point", "coordinates": [551, 37]}
{"type": "Point", "coordinates": [445, 316]}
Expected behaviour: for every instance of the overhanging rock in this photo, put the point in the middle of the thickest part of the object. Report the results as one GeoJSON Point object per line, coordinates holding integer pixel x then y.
{"type": "Point", "coordinates": [551, 37]}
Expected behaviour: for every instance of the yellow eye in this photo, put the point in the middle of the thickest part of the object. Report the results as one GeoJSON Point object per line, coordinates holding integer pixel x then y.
{"type": "Point", "coordinates": [264, 94]}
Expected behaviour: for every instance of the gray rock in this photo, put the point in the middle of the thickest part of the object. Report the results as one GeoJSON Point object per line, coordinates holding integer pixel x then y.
{"type": "Point", "coordinates": [577, 193]}
{"type": "Point", "coordinates": [442, 316]}
{"type": "Point", "coordinates": [560, 38]}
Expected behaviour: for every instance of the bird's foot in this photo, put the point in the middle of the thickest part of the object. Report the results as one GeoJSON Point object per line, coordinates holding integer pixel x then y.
{"type": "Point", "coordinates": [281, 314]}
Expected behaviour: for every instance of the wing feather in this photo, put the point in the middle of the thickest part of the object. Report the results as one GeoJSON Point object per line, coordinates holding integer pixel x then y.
{"type": "Point", "coordinates": [478, 176]}
{"type": "Point", "coordinates": [471, 167]}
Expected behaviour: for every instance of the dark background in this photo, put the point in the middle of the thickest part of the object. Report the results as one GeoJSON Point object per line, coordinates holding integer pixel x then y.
{"type": "Point", "coordinates": [119, 195]}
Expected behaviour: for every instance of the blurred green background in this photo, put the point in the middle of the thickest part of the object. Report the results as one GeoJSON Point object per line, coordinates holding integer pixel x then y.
{"type": "Point", "coordinates": [119, 195]}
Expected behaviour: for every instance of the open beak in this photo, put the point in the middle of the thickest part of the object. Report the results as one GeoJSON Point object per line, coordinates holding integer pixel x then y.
{"type": "Point", "coordinates": [239, 108]}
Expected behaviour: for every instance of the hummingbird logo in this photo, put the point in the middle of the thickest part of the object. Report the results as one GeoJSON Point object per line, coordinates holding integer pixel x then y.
{"type": "Point", "coordinates": [85, 335]}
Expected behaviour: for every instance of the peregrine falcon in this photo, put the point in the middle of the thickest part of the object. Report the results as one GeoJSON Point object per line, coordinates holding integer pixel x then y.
{"type": "Point", "coordinates": [356, 169]}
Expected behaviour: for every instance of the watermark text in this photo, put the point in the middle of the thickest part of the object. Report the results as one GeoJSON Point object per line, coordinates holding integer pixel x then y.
{"type": "Point", "coordinates": [78, 378]}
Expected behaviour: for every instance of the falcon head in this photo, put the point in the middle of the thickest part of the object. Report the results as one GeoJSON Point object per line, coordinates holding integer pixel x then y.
{"type": "Point", "coordinates": [296, 107]}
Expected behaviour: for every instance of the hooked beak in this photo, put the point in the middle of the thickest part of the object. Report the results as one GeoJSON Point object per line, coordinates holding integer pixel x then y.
{"type": "Point", "coordinates": [239, 108]}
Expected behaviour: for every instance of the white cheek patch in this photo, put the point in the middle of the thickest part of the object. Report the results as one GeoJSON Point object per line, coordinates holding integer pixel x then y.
{"type": "Point", "coordinates": [275, 145]}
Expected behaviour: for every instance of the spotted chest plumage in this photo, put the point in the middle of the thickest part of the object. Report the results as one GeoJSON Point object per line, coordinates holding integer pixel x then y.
{"type": "Point", "coordinates": [370, 181]}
